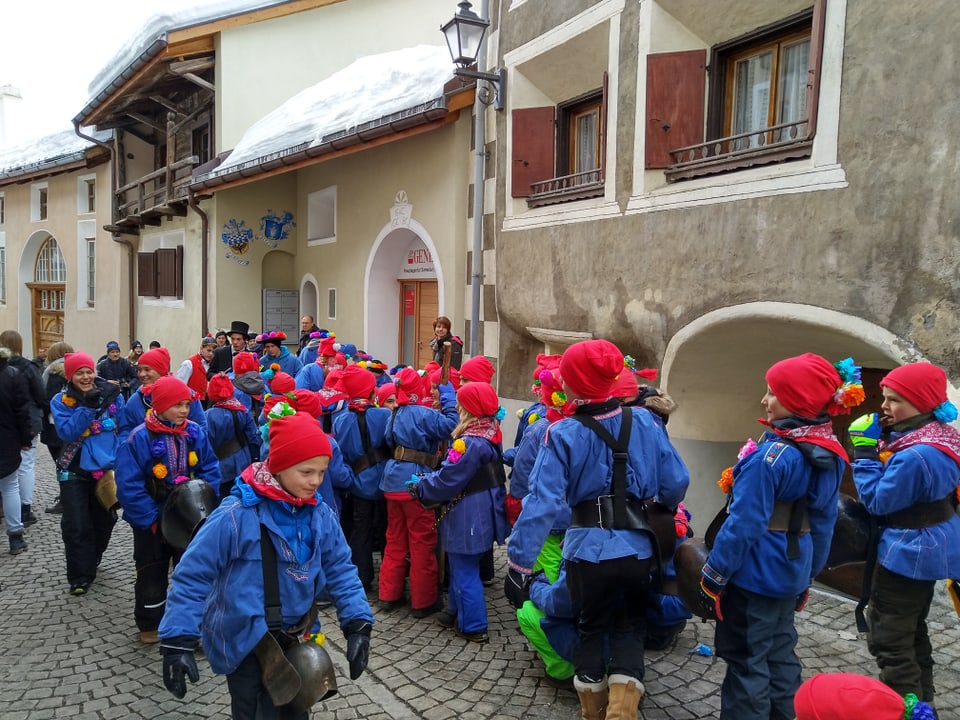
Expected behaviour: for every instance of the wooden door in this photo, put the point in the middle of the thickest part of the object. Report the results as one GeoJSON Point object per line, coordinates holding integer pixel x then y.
{"type": "Point", "coordinates": [47, 302]}
{"type": "Point", "coordinates": [419, 305]}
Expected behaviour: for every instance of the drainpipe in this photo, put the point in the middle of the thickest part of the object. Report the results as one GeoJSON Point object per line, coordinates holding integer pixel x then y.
{"type": "Point", "coordinates": [204, 261]}
{"type": "Point", "coordinates": [479, 161]}
{"type": "Point", "coordinates": [116, 237]}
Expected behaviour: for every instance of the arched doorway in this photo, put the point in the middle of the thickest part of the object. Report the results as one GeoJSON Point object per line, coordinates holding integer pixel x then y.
{"type": "Point", "coordinates": [404, 290]}
{"type": "Point", "coordinates": [47, 295]}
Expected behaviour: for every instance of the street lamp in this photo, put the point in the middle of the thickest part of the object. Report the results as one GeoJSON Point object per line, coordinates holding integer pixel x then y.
{"type": "Point", "coordinates": [464, 34]}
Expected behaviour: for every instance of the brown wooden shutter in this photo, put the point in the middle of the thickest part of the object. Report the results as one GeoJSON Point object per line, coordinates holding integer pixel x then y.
{"type": "Point", "coordinates": [675, 97]}
{"type": "Point", "coordinates": [167, 272]}
{"type": "Point", "coordinates": [533, 144]}
{"type": "Point", "coordinates": [147, 275]}
{"type": "Point", "coordinates": [179, 272]}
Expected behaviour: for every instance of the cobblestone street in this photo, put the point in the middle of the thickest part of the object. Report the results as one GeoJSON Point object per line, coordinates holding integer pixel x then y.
{"type": "Point", "coordinates": [79, 657]}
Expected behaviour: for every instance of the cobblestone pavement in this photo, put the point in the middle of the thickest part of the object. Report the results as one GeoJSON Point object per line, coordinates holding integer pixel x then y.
{"type": "Point", "coordinates": [79, 657]}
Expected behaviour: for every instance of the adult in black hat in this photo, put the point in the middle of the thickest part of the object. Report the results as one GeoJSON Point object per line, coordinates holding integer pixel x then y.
{"type": "Point", "coordinates": [223, 356]}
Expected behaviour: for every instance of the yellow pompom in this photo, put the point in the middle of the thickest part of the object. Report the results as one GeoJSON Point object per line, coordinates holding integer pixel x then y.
{"type": "Point", "coordinates": [519, 414]}
{"type": "Point", "coordinates": [460, 446]}
{"type": "Point", "coordinates": [160, 471]}
{"type": "Point", "coordinates": [192, 458]}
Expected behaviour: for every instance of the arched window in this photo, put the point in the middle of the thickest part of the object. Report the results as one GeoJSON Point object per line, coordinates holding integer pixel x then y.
{"type": "Point", "coordinates": [50, 267]}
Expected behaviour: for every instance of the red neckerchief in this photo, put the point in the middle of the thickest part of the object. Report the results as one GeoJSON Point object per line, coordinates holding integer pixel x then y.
{"type": "Point", "coordinates": [258, 477]}
{"type": "Point", "coordinates": [230, 403]}
{"type": "Point", "coordinates": [485, 427]}
{"type": "Point", "coordinates": [942, 437]}
{"type": "Point", "coordinates": [155, 424]}
{"type": "Point", "coordinates": [821, 435]}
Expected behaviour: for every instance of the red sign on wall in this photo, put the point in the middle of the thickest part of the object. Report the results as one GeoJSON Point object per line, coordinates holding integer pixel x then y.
{"type": "Point", "coordinates": [409, 302]}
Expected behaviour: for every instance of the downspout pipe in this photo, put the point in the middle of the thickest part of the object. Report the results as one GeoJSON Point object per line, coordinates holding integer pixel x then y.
{"type": "Point", "coordinates": [131, 250]}
{"type": "Point", "coordinates": [479, 162]}
{"type": "Point", "coordinates": [204, 260]}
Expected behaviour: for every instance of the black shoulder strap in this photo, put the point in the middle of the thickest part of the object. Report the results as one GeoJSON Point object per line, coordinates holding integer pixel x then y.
{"type": "Point", "coordinates": [271, 584]}
{"type": "Point", "coordinates": [619, 446]}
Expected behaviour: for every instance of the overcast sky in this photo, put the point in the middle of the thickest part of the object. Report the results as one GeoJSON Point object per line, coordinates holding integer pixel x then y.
{"type": "Point", "coordinates": [51, 50]}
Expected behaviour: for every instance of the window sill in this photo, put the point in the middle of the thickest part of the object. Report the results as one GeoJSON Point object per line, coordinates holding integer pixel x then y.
{"type": "Point", "coordinates": [321, 241]}
{"type": "Point", "coordinates": [741, 161]}
{"type": "Point", "coordinates": [566, 194]}
{"type": "Point", "coordinates": [768, 180]}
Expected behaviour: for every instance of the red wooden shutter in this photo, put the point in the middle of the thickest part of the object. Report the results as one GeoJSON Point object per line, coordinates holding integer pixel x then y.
{"type": "Point", "coordinates": [147, 275]}
{"type": "Point", "coordinates": [167, 272]}
{"type": "Point", "coordinates": [533, 143]}
{"type": "Point", "coordinates": [675, 100]}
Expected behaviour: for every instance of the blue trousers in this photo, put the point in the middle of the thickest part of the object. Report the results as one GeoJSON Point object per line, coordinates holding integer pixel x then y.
{"type": "Point", "coordinates": [466, 592]}
{"type": "Point", "coordinates": [757, 639]}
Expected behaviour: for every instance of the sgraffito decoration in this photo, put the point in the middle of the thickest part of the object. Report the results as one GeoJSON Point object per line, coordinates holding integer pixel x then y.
{"type": "Point", "coordinates": [275, 227]}
{"type": "Point", "coordinates": [236, 236]}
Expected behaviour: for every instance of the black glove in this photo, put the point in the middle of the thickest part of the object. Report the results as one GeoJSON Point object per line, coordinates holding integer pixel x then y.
{"type": "Point", "coordinates": [357, 633]}
{"type": "Point", "coordinates": [92, 397]}
{"type": "Point", "coordinates": [178, 661]}
{"type": "Point", "coordinates": [516, 588]}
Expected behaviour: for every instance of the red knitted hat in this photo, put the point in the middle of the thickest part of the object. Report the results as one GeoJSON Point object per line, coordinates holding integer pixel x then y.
{"type": "Point", "coordinates": [384, 392]}
{"type": "Point", "coordinates": [431, 366]}
{"type": "Point", "coordinates": [295, 439]}
{"type": "Point", "coordinates": [167, 392]}
{"type": "Point", "coordinates": [307, 401]}
{"type": "Point", "coordinates": [804, 384]}
{"type": "Point", "coordinates": [921, 384]}
{"type": "Point", "coordinates": [625, 387]}
{"type": "Point", "coordinates": [76, 360]}
{"type": "Point", "coordinates": [590, 367]}
{"type": "Point", "coordinates": [454, 377]}
{"type": "Point", "coordinates": [477, 369]}
{"type": "Point", "coordinates": [357, 383]}
{"type": "Point", "coordinates": [545, 362]}
{"type": "Point", "coordinates": [244, 362]}
{"type": "Point", "coordinates": [158, 359]}
{"type": "Point", "coordinates": [326, 346]}
{"type": "Point", "coordinates": [219, 388]}
{"type": "Point", "coordinates": [282, 383]}
{"type": "Point", "coordinates": [841, 696]}
{"type": "Point", "coordinates": [331, 379]}
{"type": "Point", "coordinates": [479, 399]}
{"type": "Point", "coordinates": [408, 383]}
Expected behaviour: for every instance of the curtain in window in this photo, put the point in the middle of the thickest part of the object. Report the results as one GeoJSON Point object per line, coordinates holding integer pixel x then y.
{"type": "Point", "coordinates": [794, 64]}
{"type": "Point", "coordinates": [586, 138]}
{"type": "Point", "coordinates": [751, 100]}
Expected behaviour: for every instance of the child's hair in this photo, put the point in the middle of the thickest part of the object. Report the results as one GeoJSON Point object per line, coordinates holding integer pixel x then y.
{"type": "Point", "coordinates": [466, 420]}
{"type": "Point", "coordinates": [442, 320]}
{"type": "Point", "coordinates": [58, 350]}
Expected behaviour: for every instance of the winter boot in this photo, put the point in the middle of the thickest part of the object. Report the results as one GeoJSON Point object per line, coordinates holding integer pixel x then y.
{"type": "Point", "coordinates": [625, 695]}
{"type": "Point", "coordinates": [17, 543]}
{"type": "Point", "coordinates": [593, 698]}
{"type": "Point", "coordinates": [26, 515]}
{"type": "Point", "coordinates": [56, 508]}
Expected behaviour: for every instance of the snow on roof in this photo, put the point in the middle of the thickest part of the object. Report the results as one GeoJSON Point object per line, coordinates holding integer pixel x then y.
{"type": "Point", "coordinates": [177, 15]}
{"type": "Point", "coordinates": [51, 150]}
{"type": "Point", "coordinates": [370, 88]}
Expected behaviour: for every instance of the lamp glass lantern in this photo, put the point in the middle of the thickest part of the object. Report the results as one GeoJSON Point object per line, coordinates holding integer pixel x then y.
{"type": "Point", "coordinates": [464, 34]}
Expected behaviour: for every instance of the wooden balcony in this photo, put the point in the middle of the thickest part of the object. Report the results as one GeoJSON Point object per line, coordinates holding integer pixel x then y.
{"type": "Point", "coordinates": [160, 194]}
{"type": "Point", "coordinates": [581, 185]}
{"type": "Point", "coordinates": [777, 143]}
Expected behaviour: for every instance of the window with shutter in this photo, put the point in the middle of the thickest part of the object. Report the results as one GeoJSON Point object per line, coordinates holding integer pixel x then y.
{"type": "Point", "coordinates": [675, 87]}
{"type": "Point", "coordinates": [167, 272]}
{"type": "Point", "coordinates": [147, 275]}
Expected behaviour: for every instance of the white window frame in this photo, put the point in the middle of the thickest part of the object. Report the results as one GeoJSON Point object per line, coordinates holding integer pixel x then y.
{"type": "Point", "coordinates": [84, 183]}
{"type": "Point", "coordinates": [322, 216]}
{"type": "Point", "coordinates": [86, 233]}
{"type": "Point", "coordinates": [35, 205]}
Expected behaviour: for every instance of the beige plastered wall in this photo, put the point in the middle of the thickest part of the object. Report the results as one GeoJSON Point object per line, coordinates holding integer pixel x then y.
{"type": "Point", "coordinates": [86, 328]}
{"type": "Point", "coordinates": [261, 66]}
{"type": "Point", "coordinates": [432, 169]}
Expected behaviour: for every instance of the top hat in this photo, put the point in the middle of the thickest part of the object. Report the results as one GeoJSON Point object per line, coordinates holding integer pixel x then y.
{"type": "Point", "coordinates": [238, 326]}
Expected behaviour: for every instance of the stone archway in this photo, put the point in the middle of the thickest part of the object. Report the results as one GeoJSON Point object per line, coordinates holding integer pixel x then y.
{"type": "Point", "coordinates": [41, 299]}
{"type": "Point", "coordinates": [714, 368]}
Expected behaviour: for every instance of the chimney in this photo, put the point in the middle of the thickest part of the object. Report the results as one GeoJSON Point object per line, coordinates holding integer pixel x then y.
{"type": "Point", "coordinates": [10, 110]}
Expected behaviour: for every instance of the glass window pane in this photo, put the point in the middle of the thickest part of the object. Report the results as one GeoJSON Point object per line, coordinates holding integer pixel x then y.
{"type": "Point", "coordinates": [586, 139]}
{"type": "Point", "coordinates": [794, 63]}
{"type": "Point", "coordinates": [751, 93]}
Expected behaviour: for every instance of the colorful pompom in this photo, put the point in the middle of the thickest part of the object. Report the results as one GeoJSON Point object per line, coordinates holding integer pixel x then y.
{"type": "Point", "coordinates": [159, 471]}
{"type": "Point", "coordinates": [501, 413]}
{"type": "Point", "coordinates": [945, 412]}
{"type": "Point", "coordinates": [68, 401]}
{"type": "Point", "coordinates": [532, 418]}
{"type": "Point", "coordinates": [319, 638]}
{"type": "Point", "coordinates": [558, 399]}
{"type": "Point", "coordinates": [748, 447]}
{"type": "Point", "coordinates": [725, 482]}
{"type": "Point", "coordinates": [192, 458]}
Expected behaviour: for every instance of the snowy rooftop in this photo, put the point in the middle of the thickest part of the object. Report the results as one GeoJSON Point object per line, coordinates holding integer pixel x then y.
{"type": "Point", "coordinates": [177, 14]}
{"type": "Point", "coordinates": [49, 151]}
{"type": "Point", "coordinates": [371, 88]}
